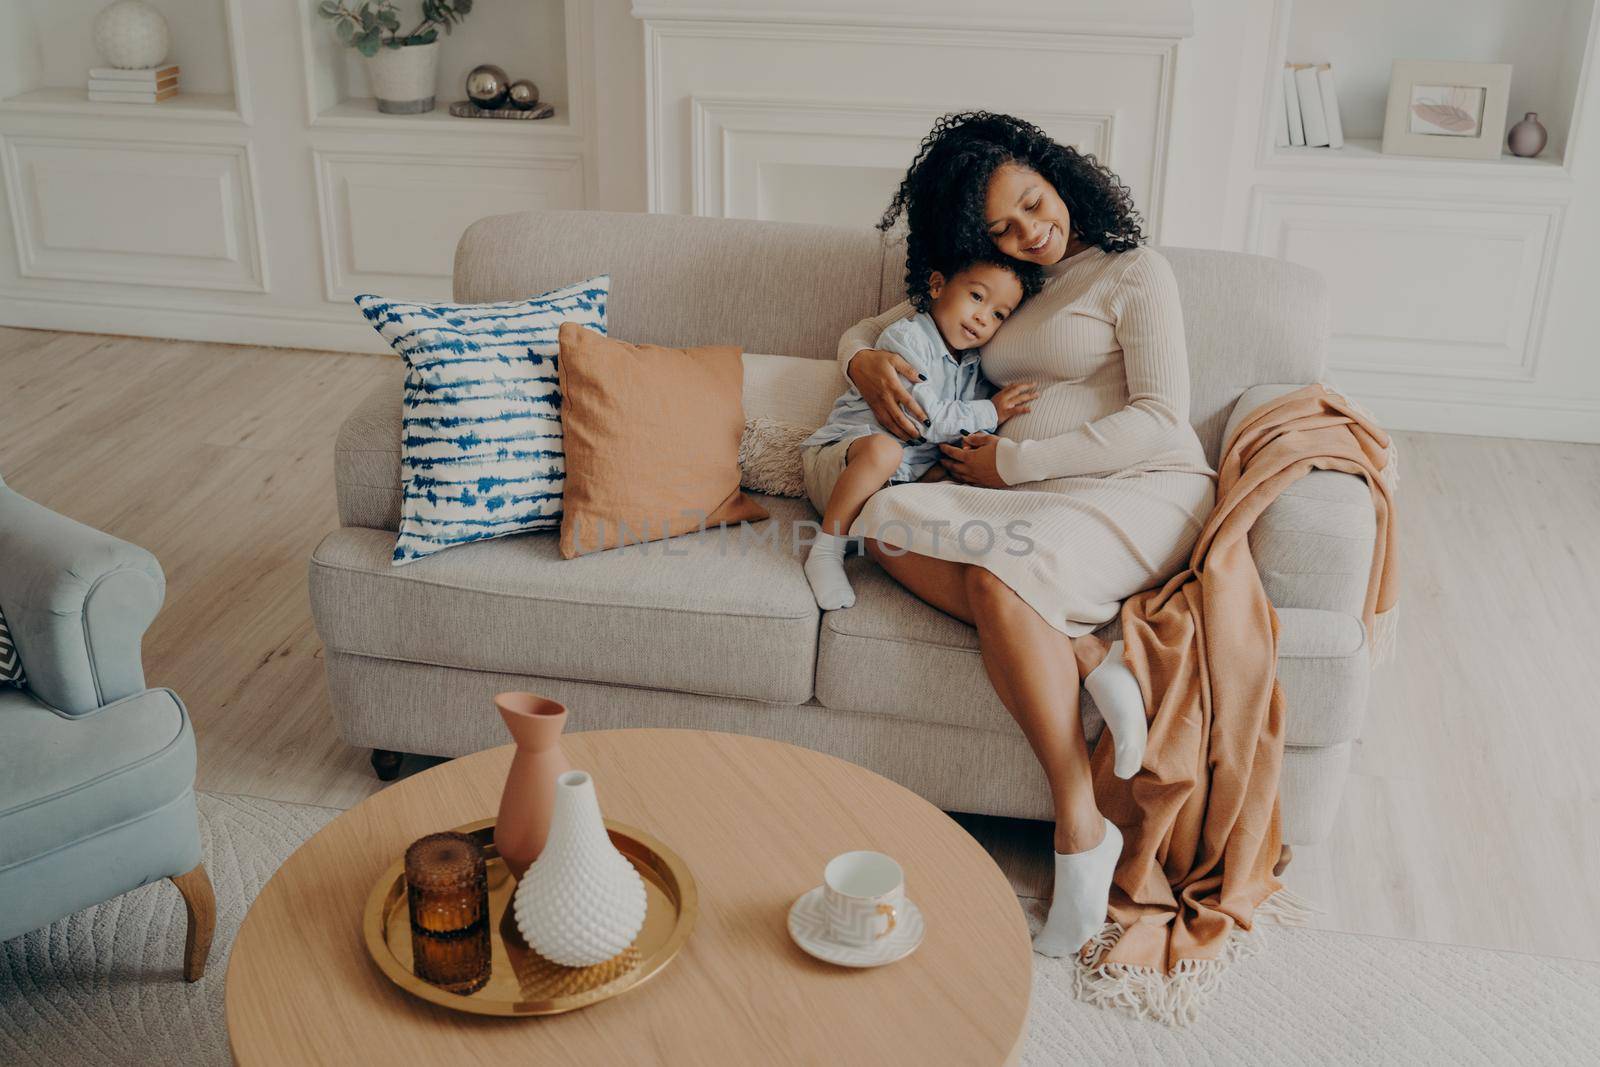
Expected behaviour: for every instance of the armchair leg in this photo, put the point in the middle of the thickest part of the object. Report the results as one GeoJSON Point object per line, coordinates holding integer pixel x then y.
{"type": "Point", "coordinates": [202, 905]}
{"type": "Point", "coordinates": [386, 764]}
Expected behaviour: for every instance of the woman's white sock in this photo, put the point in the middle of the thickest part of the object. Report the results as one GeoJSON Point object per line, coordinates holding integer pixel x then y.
{"type": "Point", "coordinates": [825, 571]}
{"type": "Point", "coordinates": [1116, 693]}
{"type": "Point", "coordinates": [1082, 894]}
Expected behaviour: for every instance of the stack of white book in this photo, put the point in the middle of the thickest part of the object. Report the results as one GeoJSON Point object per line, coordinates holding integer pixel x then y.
{"type": "Point", "coordinates": [1308, 108]}
{"type": "Point", "coordinates": [117, 86]}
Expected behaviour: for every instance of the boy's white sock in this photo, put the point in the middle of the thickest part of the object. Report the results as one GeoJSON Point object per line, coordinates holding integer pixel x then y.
{"type": "Point", "coordinates": [825, 571]}
{"type": "Point", "coordinates": [1082, 894]}
{"type": "Point", "coordinates": [1116, 693]}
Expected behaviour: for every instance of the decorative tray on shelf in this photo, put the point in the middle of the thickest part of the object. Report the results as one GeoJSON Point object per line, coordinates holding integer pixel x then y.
{"type": "Point", "coordinates": [520, 981]}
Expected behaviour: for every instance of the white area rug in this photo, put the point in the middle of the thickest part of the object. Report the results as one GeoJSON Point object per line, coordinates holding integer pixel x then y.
{"type": "Point", "coordinates": [104, 987]}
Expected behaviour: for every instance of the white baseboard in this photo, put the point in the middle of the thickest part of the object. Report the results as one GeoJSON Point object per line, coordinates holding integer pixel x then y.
{"type": "Point", "coordinates": [1534, 418]}
{"type": "Point", "coordinates": [319, 329]}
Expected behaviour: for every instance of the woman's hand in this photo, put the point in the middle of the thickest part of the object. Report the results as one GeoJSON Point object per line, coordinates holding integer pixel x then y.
{"type": "Point", "coordinates": [878, 374]}
{"type": "Point", "coordinates": [974, 462]}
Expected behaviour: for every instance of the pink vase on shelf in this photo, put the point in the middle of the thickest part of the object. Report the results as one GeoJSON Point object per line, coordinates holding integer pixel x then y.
{"type": "Point", "coordinates": [530, 794]}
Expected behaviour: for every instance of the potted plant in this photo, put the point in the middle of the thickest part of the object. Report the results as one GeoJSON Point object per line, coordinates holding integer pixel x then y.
{"type": "Point", "coordinates": [402, 68]}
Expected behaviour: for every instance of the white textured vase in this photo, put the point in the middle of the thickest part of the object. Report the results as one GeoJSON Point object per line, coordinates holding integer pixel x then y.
{"type": "Point", "coordinates": [403, 79]}
{"type": "Point", "coordinates": [582, 902]}
{"type": "Point", "coordinates": [131, 34]}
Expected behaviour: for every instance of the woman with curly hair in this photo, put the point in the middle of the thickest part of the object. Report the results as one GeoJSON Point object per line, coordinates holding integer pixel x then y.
{"type": "Point", "coordinates": [1105, 473]}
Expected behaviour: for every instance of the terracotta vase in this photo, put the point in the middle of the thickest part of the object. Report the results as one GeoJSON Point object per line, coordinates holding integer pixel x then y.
{"type": "Point", "coordinates": [530, 794]}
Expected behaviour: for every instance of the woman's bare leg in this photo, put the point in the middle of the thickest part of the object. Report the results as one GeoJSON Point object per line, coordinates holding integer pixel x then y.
{"type": "Point", "coordinates": [1035, 662]}
{"type": "Point", "coordinates": [940, 582]}
{"type": "Point", "coordinates": [943, 583]}
{"type": "Point", "coordinates": [1034, 669]}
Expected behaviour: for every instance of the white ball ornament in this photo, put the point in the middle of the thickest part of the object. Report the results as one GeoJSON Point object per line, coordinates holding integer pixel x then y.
{"type": "Point", "coordinates": [582, 902]}
{"type": "Point", "coordinates": [131, 34]}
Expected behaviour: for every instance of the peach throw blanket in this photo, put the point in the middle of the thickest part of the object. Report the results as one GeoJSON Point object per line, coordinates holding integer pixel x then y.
{"type": "Point", "coordinates": [1200, 819]}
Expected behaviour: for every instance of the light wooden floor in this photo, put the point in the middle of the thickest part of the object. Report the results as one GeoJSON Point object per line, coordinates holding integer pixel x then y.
{"type": "Point", "coordinates": [1472, 816]}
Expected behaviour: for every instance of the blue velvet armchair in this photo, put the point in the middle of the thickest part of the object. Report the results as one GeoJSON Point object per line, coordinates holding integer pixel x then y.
{"type": "Point", "coordinates": [96, 771]}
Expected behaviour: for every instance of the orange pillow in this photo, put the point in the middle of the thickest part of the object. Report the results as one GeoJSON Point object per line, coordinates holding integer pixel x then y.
{"type": "Point", "coordinates": [652, 440]}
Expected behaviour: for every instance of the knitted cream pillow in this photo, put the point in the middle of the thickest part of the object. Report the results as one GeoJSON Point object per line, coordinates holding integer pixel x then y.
{"type": "Point", "coordinates": [785, 399]}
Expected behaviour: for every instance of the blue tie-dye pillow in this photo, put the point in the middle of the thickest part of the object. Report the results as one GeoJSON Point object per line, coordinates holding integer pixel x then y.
{"type": "Point", "coordinates": [481, 449]}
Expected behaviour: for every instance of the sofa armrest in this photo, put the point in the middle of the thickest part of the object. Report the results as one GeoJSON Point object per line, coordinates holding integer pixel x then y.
{"type": "Point", "coordinates": [78, 602]}
{"type": "Point", "coordinates": [366, 462]}
{"type": "Point", "coordinates": [1314, 544]}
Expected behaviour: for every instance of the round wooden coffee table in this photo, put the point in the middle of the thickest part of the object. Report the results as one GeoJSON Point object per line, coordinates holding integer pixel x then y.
{"type": "Point", "coordinates": [755, 821]}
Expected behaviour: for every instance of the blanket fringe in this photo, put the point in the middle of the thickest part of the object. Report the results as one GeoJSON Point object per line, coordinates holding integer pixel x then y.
{"type": "Point", "coordinates": [1144, 992]}
{"type": "Point", "coordinates": [1287, 909]}
{"type": "Point", "coordinates": [1175, 999]}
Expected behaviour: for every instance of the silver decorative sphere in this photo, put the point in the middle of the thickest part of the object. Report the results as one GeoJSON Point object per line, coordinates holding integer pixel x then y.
{"type": "Point", "coordinates": [488, 86]}
{"type": "Point", "coordinates": [524, 94]}
{"type": "Point", "coordinates": [131, 34]}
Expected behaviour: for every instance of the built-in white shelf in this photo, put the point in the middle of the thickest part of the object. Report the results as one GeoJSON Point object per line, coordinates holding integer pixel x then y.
{"type": "Point", "coordinates": [1367, 152]}
{"type": "Point", "coordinates": [526, 38]}
{"type": "Point", "coordinates": [362, 112]}
{"type": "Point", "coordinates": [1545, 44]}
{"type": "Point", "coordinates": [54, 51]}
{"type": "Point", "coordinates": [204, 107]}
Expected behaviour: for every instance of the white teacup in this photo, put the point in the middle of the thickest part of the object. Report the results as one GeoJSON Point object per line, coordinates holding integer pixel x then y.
{"type": "Point", "coordinates": [862, 898]}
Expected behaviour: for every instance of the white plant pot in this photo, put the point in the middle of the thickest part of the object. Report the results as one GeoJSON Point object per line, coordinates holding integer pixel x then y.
{"type": "Point", "coordinates": [403, 79]}
{"type": "Point", "coordinates": [582, 902]}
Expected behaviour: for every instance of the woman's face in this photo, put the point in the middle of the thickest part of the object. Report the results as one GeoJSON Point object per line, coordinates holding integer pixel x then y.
{"type": "Point", "coordinates": [1025, 216]}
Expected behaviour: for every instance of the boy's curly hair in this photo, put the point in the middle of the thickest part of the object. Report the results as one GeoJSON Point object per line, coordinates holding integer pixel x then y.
{"type": "Point", "coordinates": [1030, 275]}
{"type": "Point", "coordinates": [942, 194]}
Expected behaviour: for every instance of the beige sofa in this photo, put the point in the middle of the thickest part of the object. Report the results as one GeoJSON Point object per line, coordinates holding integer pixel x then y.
{"type": "Point", "coordinates": [708, 638]}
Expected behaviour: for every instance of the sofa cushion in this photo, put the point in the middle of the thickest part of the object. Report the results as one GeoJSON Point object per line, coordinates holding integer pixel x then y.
{"type": "Point", "coordinates": [652, 440]}
{"type": "Point", "coordinates": [724, 612]}
{"type": "Point", "coordinates": [482, 434]}
{"type": "Point", "coordinates": [891, 654]}
{"type": "Point", "coordinates": [70, 777]}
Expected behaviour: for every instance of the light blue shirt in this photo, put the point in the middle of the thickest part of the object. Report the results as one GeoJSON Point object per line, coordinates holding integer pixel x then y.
{"type": "Point", "coordinates": [955, 398]}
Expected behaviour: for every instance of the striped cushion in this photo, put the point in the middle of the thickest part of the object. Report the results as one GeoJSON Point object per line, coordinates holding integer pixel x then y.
{"type": "Point", "coordinates": [10, 663]}
{"type": "Point", "coordinates": [481, 449]}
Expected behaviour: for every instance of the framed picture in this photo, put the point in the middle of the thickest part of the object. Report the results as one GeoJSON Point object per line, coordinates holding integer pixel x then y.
{"type": "Point", "coordinates": [1445, 108]}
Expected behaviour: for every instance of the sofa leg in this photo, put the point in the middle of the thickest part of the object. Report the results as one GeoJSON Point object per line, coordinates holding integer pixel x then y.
{"type": "Point", "coordinates": [386, 764]}
{"type": "Point", "coordinates": [202, 906]}
{"type": "Point", "coordinates": [1284, 856]}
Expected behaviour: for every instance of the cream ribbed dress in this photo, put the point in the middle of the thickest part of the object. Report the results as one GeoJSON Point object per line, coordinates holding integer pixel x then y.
{"type": "Point", "coordinates": [1108, 482]}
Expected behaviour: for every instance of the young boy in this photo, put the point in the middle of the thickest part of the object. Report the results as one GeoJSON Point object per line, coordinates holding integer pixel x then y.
{"type": "Point", "coordinates": [851, 456]}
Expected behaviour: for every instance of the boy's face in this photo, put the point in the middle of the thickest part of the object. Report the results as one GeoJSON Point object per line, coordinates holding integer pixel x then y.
{"type": "Point", "coordinates": [970, 306]}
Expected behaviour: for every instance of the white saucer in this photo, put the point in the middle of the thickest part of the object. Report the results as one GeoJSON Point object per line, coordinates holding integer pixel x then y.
{"type": "Point", "coordinates": [810, 931]}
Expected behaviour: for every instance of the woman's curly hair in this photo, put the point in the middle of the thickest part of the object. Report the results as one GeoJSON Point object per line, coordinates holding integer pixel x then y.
{"type": "Point", "coordinates": [942, 194]}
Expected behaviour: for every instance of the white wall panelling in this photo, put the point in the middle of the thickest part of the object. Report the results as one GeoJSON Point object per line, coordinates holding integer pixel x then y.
{"type": "Point", "coordinates": [136, 212]}
{"type": "Point", "coordinates": [162, 219]}
{"type": "Point", "coordinates": [737, 109]}
{"type": "Point", "coordinates": [811, 161]}
{"type": "Point", "coordinates": [1446, 287]}
{"type": "Point", "coordinates": [376, 240]}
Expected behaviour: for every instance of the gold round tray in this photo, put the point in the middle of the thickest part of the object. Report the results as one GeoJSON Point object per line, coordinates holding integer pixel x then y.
{"type": "Point", "coordinates": [520, 981]}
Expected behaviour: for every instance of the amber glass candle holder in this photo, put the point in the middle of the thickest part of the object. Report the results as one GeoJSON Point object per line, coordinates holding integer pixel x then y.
{"type": "Point", "coordinates": [447, 888]}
